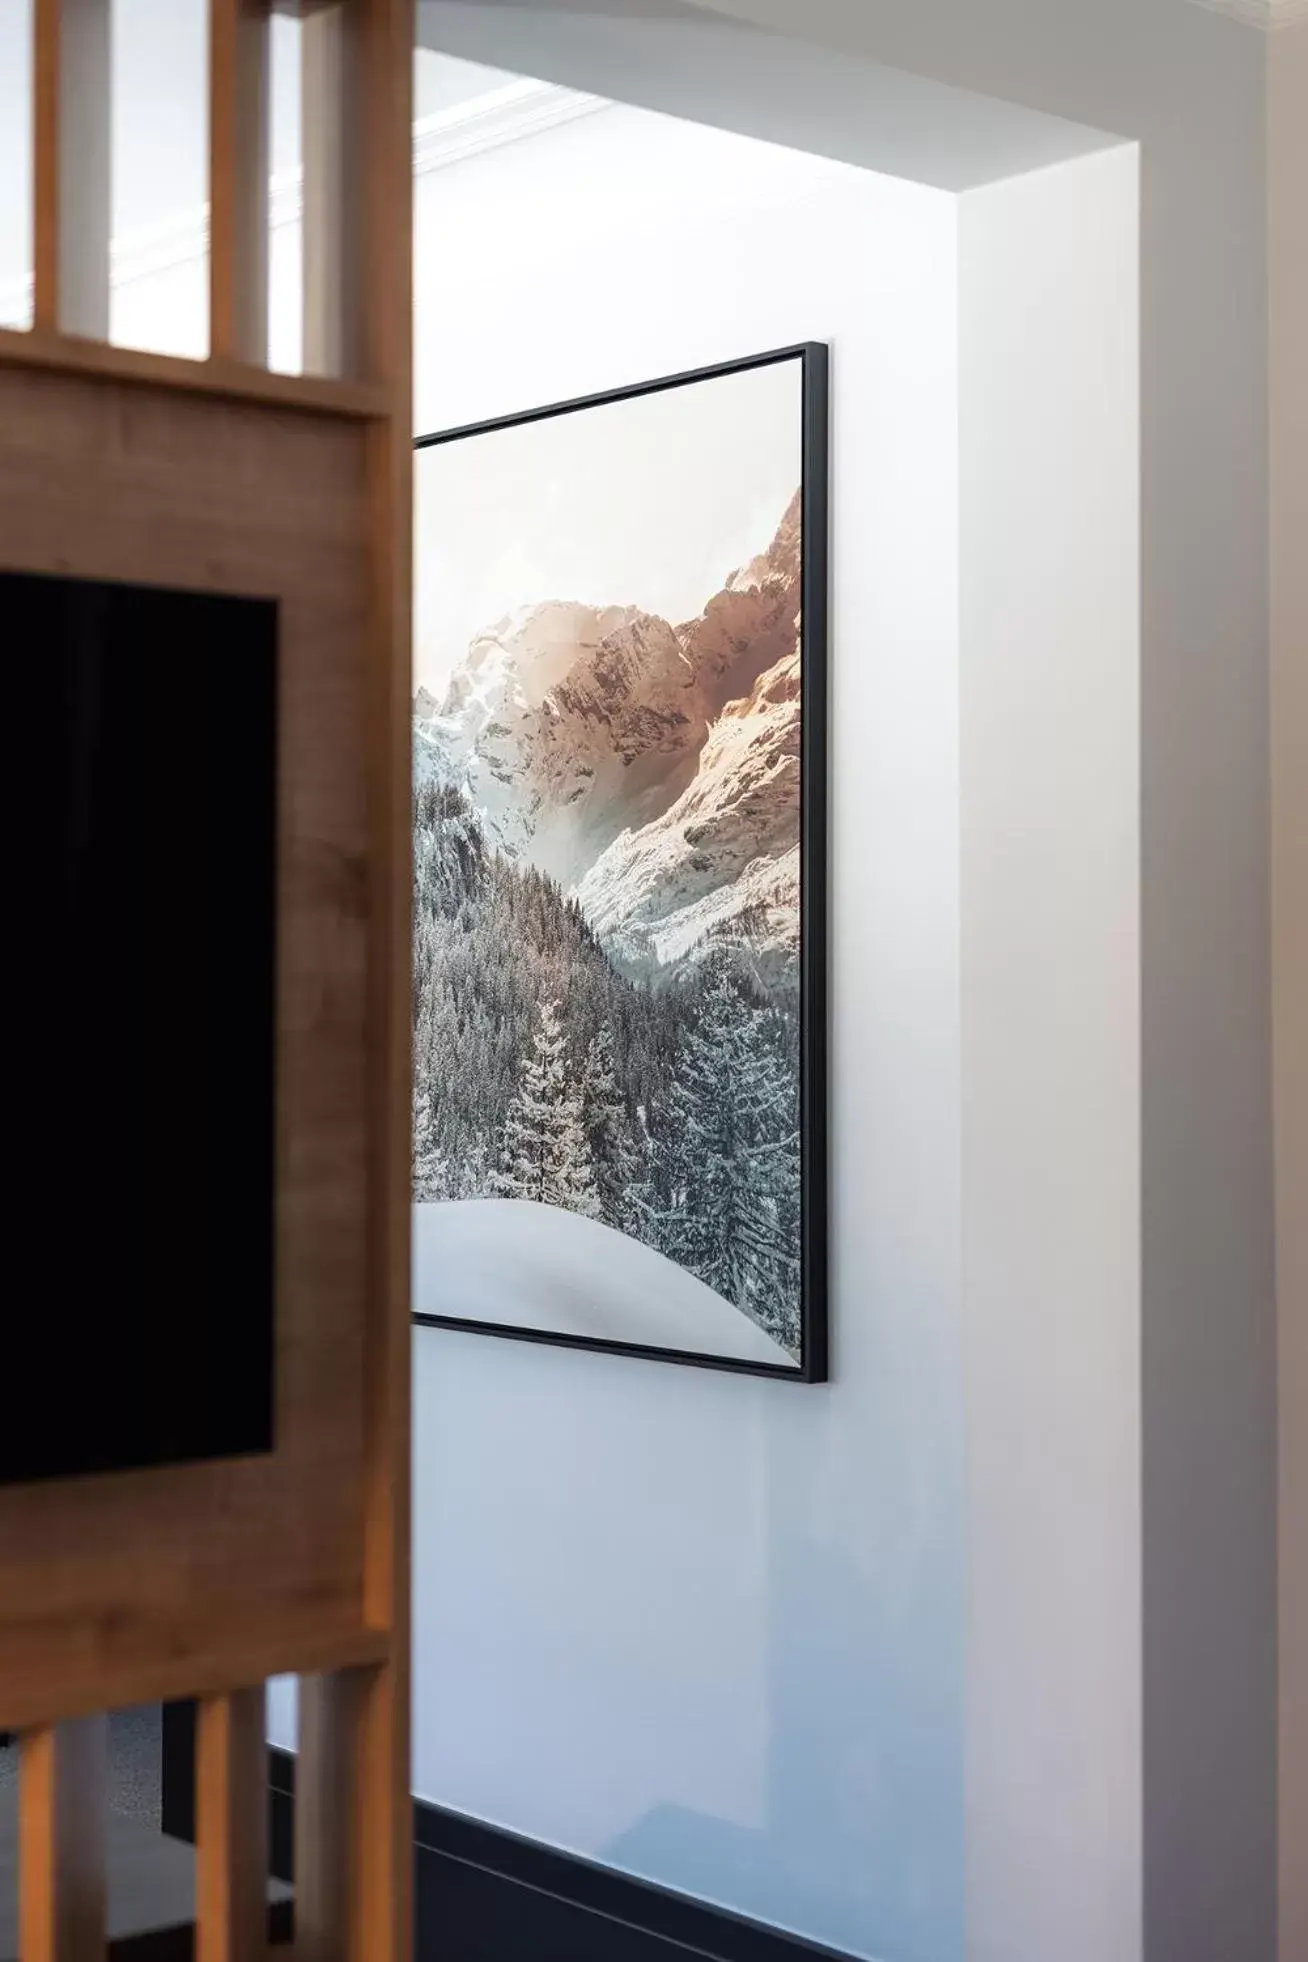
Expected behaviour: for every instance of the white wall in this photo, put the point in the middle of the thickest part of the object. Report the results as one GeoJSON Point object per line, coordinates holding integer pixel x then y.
{"type": "Point", "coordinates": [793, 1653]}
{"type": "Point", "coordinates": [1050, 804]}
{"type": "Point", "coordinates": [707, 1628]}
{"type": "Point", "coordinates": [1190, 85]}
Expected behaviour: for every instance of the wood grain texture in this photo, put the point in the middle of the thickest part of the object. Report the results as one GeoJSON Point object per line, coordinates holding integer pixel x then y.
{"type": "Point", "coordinates": [231, 1827]}
{"type": "Point", "coordinates": [234, 381]}
{"type": "Point", "coordinates": [384, 1917]}
{"type": "Point", "coordinates": [45, 163]}
{"type": "Point", "coordinates": [328, 1822]}
{"type": "Point", "coordinates": [131, 1579]}
{"type": "Point", "coordinates": [239, 55]}
{"type": "Point", "coordinates": [85, 167]}
{"type": "Point", "coordinates": [336, 171]}
{"type": "Point", "coordinates": [202, 1579]}
{"type": "Point", "coordinates": [211, 1658]}
{"type": "Point", "coordinates": [71, 165]}
{"type": "Point", "coordinates": [62, 1801]}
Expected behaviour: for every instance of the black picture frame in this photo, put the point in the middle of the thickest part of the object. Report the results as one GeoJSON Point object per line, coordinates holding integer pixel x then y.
{"type": "Point", "coordinates": [814, 1366]}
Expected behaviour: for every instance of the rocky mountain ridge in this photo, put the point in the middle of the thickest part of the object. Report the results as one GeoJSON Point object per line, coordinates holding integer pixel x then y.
{"type": "Point", "coordinates": [723, 860]}
{"type": "Point", "coordinates": [651, 769]}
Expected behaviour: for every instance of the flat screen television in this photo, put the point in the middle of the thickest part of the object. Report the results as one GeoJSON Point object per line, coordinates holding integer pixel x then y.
{"type": "Point", "coordinates": [140, 803]}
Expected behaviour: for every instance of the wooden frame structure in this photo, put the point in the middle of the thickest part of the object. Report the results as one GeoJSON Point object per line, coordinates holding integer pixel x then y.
{"type": "Point", "coordinates": [206, 1579]}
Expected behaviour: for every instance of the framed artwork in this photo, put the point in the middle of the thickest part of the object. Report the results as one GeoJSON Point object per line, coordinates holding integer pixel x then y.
{"type": "Point", "coordinates": [620, 871]}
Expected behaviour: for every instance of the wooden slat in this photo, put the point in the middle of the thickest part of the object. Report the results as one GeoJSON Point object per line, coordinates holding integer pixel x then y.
{"type": "Point", "coordinates": [328, 1823]}
{"type": "Point", "coordinates": [61, 1843]}
{"type": "Point", "coordinates": [233, 380]}
{"type": "Point", "coordinates": [71, 165]}
{"type": "Point", "coordinates": [238, 181]}
{"type": "Point", "coordinates": [231, 1827]}
{"type": "Point", "coordinates": [354, 1812]}
{"type": "Point", "coordinates": [45, 162]}
{"type": "Point", "coordinates": [383, 1923]}
{"type": "Point", "coordinates": [334, 170]}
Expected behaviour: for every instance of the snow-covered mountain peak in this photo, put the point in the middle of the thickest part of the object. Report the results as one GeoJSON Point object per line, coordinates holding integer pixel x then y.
{"type": "Point", "coordinates": [723, 861]}
{"type": "Point", "coordinates": [540, 646]}
{"type": "Point", "coordinates": [651, 769]}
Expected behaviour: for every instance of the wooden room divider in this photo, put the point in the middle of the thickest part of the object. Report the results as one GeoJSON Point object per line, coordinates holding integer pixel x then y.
{"type": "Point", "coordinates": [206, 1579]}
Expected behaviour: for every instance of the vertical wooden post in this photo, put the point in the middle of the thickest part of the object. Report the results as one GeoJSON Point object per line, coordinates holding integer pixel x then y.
{"type": "Point", "coordinates": [71, 166]}
{"type": "Point", "coordinates": [1287, 116]}
{"type": "Point", "coordinates": [327, 1808]}
{"type": "Point", "coordinates": [354, 1851]}
{"type": "Point", "coordinates": [46, 38]}
{"type": "Point", "coordinates": [238, 180]}
{"type": "Point", "coordinates": [386, 335]}
{"type": "Point", "coordinates": [231, 1827]}
{"type": "Point", "coordinates": [333, 168]}
{"type": "Point", "coordinates": [61, 1843]}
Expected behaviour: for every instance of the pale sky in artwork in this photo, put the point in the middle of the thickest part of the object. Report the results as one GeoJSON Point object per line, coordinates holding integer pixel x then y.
{"type": "Point", "coordinates": [649, 502]}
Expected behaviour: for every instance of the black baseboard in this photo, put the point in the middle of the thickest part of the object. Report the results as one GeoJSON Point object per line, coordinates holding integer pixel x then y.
{"type": "Point", "coordinates": [485, 1895]}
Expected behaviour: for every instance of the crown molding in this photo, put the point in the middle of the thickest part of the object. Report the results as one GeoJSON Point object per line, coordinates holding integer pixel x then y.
{"type": "Point", "coordinates": [506, 115]}
{"type": "Point", "coordinates": [1269, 15]}
{"type": "Point", "coordinates": [487, 122]}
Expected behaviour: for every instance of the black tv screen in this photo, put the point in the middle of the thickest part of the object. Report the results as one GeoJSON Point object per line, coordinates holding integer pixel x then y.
{"type": "Point", "coordinates": [139, 793]}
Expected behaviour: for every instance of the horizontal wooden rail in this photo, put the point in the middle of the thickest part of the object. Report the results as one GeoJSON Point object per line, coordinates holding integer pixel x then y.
{"type": "Point", "coordinates": [122, 1683]}
{"type": "Point", "coordinates": [232, 380]}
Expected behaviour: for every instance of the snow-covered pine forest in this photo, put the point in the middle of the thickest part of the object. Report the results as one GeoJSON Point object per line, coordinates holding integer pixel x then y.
{"type": "Point", "coordinates": [668, 1110]}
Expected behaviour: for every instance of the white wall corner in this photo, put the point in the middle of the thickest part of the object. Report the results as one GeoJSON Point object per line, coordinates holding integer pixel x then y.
{"type": "Point", "coordinates": [1266, 14]}
{"type": "Point", "coordinates": [1049, 721]}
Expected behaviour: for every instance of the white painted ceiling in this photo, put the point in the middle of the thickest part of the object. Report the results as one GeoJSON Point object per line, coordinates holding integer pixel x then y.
{"type": "Point", "coordinates": [690, 61]}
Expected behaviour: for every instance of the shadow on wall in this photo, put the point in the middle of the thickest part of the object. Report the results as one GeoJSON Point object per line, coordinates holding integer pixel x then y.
{"type": "Point", "coordinates": [863, 1830]}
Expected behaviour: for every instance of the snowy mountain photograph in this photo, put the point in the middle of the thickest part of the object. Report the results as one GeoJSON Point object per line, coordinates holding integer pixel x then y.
{"type": "Point", "coordinates": [612, 1013]}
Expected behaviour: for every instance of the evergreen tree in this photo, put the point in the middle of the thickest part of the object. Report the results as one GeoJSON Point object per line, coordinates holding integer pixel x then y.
{"type": "Point", "coordinates": [608, 1127]}
{"type": "Point", "coordinates": [727, 1159]}
{"type": "Point", "coordinates": [545, 1154]}
{"type": "Point", "coordinates": [472, 1177]}
{"type": "Point", "coordinates": [666, 1106]}
{"type": "Point", "coordinates": [493, 938]}
{"type": "Point", "coordinates": [430, 1171]}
